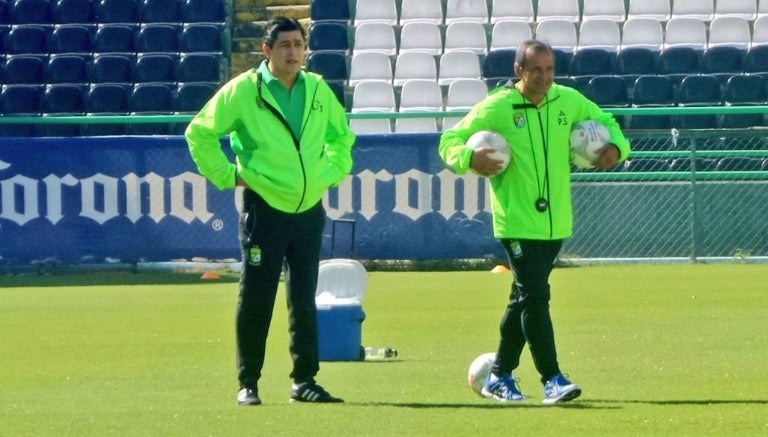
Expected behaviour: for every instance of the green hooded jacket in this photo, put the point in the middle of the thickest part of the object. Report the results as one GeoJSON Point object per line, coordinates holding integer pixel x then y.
{"type": "Point", "coordinates": [540, 165]}
{"type": "Point", "coordinates": [290, 178]}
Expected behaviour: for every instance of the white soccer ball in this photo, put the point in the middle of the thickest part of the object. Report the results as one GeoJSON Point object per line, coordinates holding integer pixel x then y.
{"type": "Point", "coordinates": [479, 370]}
{"type": "Point", "coordinates": [495, 141]}
{"type": "Point", "coordinates": [587, 137]}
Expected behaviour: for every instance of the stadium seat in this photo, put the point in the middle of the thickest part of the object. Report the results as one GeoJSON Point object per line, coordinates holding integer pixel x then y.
{"type": "Point", "coordinates": [73, 12]}
{"type": "Point", "coordinates": [151, 99]}
{"type": "Point", "coordinates": [746, 9]}
{"type": "Point", "coordinates": [642, 32]}
{"type": "Point", "coordinates": [114, 38]}
{"type": "Point", "coordinates": [155, 67]}
{"type": "Point", "coordinates": [67, 68]}
{"type": "Point", "coordinates": [699, 90]}
{"type": "Point", "coordinates": [632, 62]}
{"type": "Point", "coordinates": [510, 34]}
{"type": "Point", "coordinates": [190, 97]}
{"type": "Point", "coordinates": [5, 12]}
{"type": "Point", "coordinates": [601, 34]}
{"type": "Point", "coordinates": [70, 38]}
{"type": "Point", "coordinates": [652, 91]}
{"type": "Point", "coordinates": [685, 164]}
{"type": "Point", "coordinates": [331, 65]}
{"type": "Point", "coordinates": [560, 34]}
{"type": "Point", "coordinates": [499, 65]}
{"type": "Point", "coordinates": [740, 163]}
{"type": "Point", "coordinates": [372, 96]}
{"type": "Point", "coordinates": [339, 90]}
{"type": "Point", "coordinates": [558, 10]}
{"type": "Point", "coordinates": [117, 11]}
{"type": "Point", "coordinates": [647, 164]}
{"type": "Point", "coordinates": [421, 37]}
{"type": "Point", "coordinates": [613, 10]}
{"type": "Point", "coordinates": [685, 32]}
{"type": "Point", "coordinates": [329, 36]}
{"type": "Point", "coordinates": [320, 10]}
{"type": "Point", "coordinates": [20, 100]}
{"type": "Point", "coordinates": [368, 66]}
{"type": "Point", "coordinates": [31, 12]}
{"type": "Point", "coordinates": [460, 35]}
{"type": "Point", "coordinates": [703, 10]}
{"type": "Point", "coordinates": [678, 61]}
{"type": "Point", "coordinates": [592, 62]}
{"type": "Point", "coordinates": [505, 10]}
{"type": "Point", "coordinates": [475, 11]}
{"type": "Point", "coordinates": [656, 9]}
{"type": "Point", "coordinates": [375, 37]}
{"type": "Point", "coordinates": [160, 11]}
{"type": "Point", "coordinates": [760, 30]}
{"type": "Point", "coordinates": [414, 65]}
{"type": "Point", "coordinates": [112, 68]}
{"type": "Point", "coordinates": [199, 67]}
{"type": "Point", "coordinates": [24, 69]}
{"type": "Point", "coordinates": [729, 31]}
{"type": "Point", "coordinates": [456, 65]}
{"type": "Point", "coordinates": [157, 38]}
{"type": "Point", "coordinates": [201, 37]}
{"type": "Point", "coordinates": [462, 95]}
{"type": "Point", "coordinates": [608, 91]}
{"type": "Point", "coordinates": [204, 11]}
{"type": "Point", "coordinates": [723, 61]}
{"type": "Point", "coordinates": [26, 39]}
{"type": "Point", "coordinates": [419, 95]}
{"type": "Point", "coordinates": [62, 99]}
{"type": "Point", "coordinates": [427, 11]}
{"type": "Point", "coordinates": [744, 90]}
{"type": "Point", "coordinates": [107, 99]}
{"type": "Point", "coordinates": [376, 11]}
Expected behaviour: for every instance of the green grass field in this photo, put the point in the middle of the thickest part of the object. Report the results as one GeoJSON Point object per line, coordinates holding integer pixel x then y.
{"type": "Point", "coordinates": [659, 350]}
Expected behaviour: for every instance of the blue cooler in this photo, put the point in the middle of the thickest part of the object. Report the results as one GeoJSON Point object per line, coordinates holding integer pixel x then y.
{"type": "Point", "coordinates": [341, 285]}
{"type": "Point", "coordinates": [339, 331]}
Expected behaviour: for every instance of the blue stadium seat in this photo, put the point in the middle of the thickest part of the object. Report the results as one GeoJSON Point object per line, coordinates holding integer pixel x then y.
{"type": "Point", "coordinates": [647, 164]}
{"type": "Point", "coordinates": [190, 97]}
{"type": "Point", "coordinates": [740, 163]}
{"type": "Point", "coordinates": [27, 39]}
{"type": "Point", "coordinates": [699, 90]}
{"type": "Point", "coordinates": [609, 92]}
{"type": "Point", "coordinates": [67, 68]}
{"type": "Point", "coordinates": [338, 89]}
{"type": "Point", "coordinates": [198, 67]}
{"type": "Point", "coordinates": [499, 65]}
{"type": "Point", "coordinates": [160, 11]}
{"type": "Point", "coordinates": [744, 90]}
{"type": "Point", "coordinates": [589, 62]}
{"type": "Point", "coordinates": [112, 68]}
{"type": "Point", "coordinates": [331, 65]}
{"type": "Point", "coordinates": [5, 12]}
{"type": "Point", "coordinates": [632, 62]}
{"type": "Point", "coordinates": [31, 12]}
{"type": "Point", "coordinates": [155, 67]}
{"type": "Point", "coordinates": [157, 38]}
{"type": "Point", "coordinates": [201, 37]}
{"type": "Point", "coordinates": [114, 38]}
{"type": "Point", "coordinates": [702, 164]}
{"type": "Point", "coordinates": [107, 99]}
{"type": "Point", "coordinates": [70, 38]}
{"type": "Point", "coordinates": [650, 91]}
{"type": "Point", "coordinates": [320, 10]}
{"type": "Point", "coordinates": [756, 61]}
{"type": "Point", "coordinates": [21, 69]}
{"type": "Point", "coordinates": [73, 12]}
{"type": "Point", "coordinates": [723, 61]}
{"type": "Point", "coordinates": [677, 62]}
{"type": "Point", "coordinates": [562, 62]}
{"type": "Point", "coordinates": [151, 99]}
{"type": "Point", "coordinates": [117, 11]}
{"type": "Point", "coordinates": [62, 99]}
{"type": "Point", "coordinates": [329, 36]}
{"type": "Point", "coordinates": [20, 100]}
{"type": "Point", "coordinates": [203, 11]}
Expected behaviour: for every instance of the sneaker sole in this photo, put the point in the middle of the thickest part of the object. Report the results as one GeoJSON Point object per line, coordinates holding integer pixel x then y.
{"type": "Point", "coordinates": [565, 397]}
{"type": "Point", "coordinates": [489, 395]}
{"type": "Point", "coordinates": [300, 401]}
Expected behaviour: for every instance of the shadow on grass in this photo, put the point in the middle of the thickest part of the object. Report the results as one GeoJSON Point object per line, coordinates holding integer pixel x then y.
{"type": "Point", "coordinates": [117, 277]}
{"type": "Point", "coordinates": [683, 401]}
{"type": "Point", "coordinates": [490, 405]}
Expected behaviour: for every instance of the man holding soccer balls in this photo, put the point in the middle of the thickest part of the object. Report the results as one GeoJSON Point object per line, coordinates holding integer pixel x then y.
{"type": "Point", "coordinates": [531, 203]}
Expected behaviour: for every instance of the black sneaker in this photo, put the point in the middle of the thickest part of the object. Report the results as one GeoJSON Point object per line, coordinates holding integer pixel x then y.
{"type": "Point", "coordinates": [248, 396]}
{"type": "Point", "coordinates": [309, 391]}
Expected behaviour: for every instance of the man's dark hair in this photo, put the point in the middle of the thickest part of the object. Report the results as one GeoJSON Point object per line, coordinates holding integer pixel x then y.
{"type": "Point", "coordinates": [530, 47]}
{"type": "Point", "coordinates": [282, 24]}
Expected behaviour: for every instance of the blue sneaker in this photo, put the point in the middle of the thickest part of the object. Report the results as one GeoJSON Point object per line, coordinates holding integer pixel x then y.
{"type": "Point", "coordinates": [502, 388]}
{"type": "Point", "coordinates": [559, 389]}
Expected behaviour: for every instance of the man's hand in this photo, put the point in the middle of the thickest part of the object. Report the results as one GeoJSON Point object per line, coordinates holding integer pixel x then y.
{"type": "Point", "coordinates": [607, 157]}
{"type": "Point", "coordinates": [484, 165]}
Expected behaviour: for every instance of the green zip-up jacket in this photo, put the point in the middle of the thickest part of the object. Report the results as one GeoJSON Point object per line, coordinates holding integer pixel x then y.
{"type": "Point", "coordinates": [290, 178]}
{"type": "Point", "coordinates": [540, 165]}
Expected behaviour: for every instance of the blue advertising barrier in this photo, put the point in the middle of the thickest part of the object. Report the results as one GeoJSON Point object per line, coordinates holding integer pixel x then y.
{"type": "Point", "coordinates": [130, 199]}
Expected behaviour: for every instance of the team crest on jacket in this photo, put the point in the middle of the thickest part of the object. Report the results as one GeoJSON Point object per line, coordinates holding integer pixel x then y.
{"type": "Point", "coordinates": [519, 119]}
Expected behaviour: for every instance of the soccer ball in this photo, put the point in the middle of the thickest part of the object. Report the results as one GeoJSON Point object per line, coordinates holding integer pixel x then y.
{"type": "Point", "coordinates": [587, 137]}
{"type": "Point", "coordinates": [479, 370]}
{"type": "Point", "coordinates": [495, 141]}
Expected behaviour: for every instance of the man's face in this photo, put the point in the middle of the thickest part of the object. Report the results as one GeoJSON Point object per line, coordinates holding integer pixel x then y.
{"type": "Point", "coordinates": [286, 56]}
{"type": "Point", "coordinates": [539, 72]}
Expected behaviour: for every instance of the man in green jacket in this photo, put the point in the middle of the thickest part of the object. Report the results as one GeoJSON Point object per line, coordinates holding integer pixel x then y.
{"type": "Point", "coordinates": [292, 142]}
{"type": "Point", "coordinates": [531, 203]}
